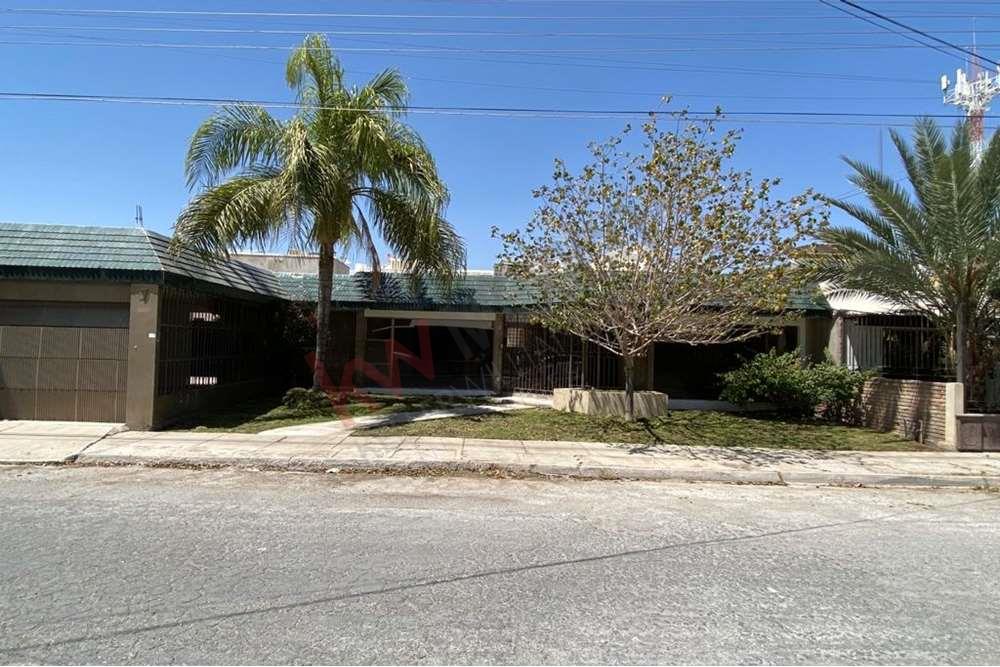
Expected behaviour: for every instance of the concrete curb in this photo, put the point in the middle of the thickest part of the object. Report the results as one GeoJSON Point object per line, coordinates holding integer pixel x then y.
{"type": "Point", "coordinates": [431, 467]}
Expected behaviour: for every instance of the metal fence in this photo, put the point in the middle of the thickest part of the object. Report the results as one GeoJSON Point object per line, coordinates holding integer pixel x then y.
{"type": "Point", "coordinates": [208, 340]}
{"type": "Point", "coordinates": [537, 359]}
{"type": "Point", "coordinates": [903, 347]}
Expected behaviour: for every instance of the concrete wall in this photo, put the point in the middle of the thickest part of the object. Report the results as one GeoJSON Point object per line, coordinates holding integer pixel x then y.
{"type": "Point", "coordinates": [924, 411]}
{"type": "Point", "coordinates": [305, 264]}
{"type": "Point", "coordinates": [38, 290]}
{"type": "Point", "coordinates": [143, 340]}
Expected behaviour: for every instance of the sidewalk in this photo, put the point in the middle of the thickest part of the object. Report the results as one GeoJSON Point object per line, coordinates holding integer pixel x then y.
{"type": "Point", "coordinates": [349, 453]}
{"type": "Point", "coordinates": [100, 444]}
{"type": "Point", "coordinates": [48, 441]}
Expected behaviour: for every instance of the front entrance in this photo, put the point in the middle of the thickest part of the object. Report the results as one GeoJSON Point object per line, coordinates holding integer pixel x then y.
{"type": "Point", "coordinates": [63, 361]}
{"type": "Point", "coordinates": [436, 353]}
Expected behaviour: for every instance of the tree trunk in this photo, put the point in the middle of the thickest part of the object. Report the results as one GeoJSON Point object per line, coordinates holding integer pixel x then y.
{"type": "Point", "coordinates": [629, 364]}
{"type": "Point", "coordinates": [323, 314]}
{"type": "Point", "coordinates": [961, 344]}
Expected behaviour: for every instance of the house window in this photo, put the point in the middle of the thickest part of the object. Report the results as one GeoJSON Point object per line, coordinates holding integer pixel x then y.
{"type": "Point", "coordinates": [203, 316]}
{"type": "Point", "coordinates": [515, 336]}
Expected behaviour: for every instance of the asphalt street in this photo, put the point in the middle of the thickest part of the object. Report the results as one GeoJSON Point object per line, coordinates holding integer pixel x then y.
{"type": "Point", "coordinates": [177, 566]}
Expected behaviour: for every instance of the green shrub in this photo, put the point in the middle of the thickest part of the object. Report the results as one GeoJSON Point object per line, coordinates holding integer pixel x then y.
{"type": "Point", "coordinates": [794, 388]}
{"type": "Point", "coordinates": [836, 390]}
{"type": "Point", "coordinates": [306, 400]}
{"type": "Point", "coordinates": [773, 378]}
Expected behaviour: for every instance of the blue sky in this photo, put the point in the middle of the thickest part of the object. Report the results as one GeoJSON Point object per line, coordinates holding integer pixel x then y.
{"type": "Point", "coordinates": [90, 163]}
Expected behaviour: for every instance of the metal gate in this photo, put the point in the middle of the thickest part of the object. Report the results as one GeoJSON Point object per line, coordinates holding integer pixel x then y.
{"type": "Point", "coordinates": [63, 373]}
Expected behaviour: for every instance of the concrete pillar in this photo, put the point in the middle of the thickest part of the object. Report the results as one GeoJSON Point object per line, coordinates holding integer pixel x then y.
{"type": "Point", "coordinates": [837, 345]}
{"type": "Point", "coordinates": [499, 344]}
{"type": "Point", "coordinates": [954, 405]}
{"type": "Point", "coordinates": [814, 336]}
{"type": "Point", "coordinates": [143, 333]}
{"type": "Point", "coordinates": [360, 344]}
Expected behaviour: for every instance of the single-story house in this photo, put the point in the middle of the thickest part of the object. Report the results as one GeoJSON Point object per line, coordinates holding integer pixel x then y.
{"type": "Point", "coordinates": [108, 324]}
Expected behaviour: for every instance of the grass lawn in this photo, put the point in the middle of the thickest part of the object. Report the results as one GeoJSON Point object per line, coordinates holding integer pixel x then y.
{"type": "Point", "coordinates": [261, 414]}
{"type": "Point", "coordinates": [682, 427]}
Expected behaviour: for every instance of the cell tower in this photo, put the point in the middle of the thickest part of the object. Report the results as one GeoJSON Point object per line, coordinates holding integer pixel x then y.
{"type": "Point", "coordinates": [974, 96]}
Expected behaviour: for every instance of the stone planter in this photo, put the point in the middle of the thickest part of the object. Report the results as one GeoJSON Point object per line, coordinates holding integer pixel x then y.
{"type": "Point", "coordinates": [608, 403]}
{"type": "Point", "coordinates": [978, 433]}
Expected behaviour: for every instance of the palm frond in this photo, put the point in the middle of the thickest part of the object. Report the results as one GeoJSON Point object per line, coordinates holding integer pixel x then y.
{"type": "Point", "coordinates": [386, 91]}
{"type": "Point", "coordinates": [249, 209]}
{"type": "Point", "coordinates": [234, 137]}
{"type": "Point", "coordinates": [314, 72]}
{"type": "Point", "coordinates": [424, 240]}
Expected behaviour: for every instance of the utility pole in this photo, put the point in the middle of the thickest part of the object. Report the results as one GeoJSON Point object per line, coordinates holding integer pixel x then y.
{"type": "Point", "coordinates": [973, 95]}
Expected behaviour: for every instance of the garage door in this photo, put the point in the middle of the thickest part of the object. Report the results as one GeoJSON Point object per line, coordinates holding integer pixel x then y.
{"type": "Point", "coordinates": [55, 370]}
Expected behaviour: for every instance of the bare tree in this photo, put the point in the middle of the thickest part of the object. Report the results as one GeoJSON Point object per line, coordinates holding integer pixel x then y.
{"type": "Point", "coordinates": [667, 244]}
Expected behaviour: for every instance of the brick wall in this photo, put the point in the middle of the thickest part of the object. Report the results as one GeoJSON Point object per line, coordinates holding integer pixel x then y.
{"type": "Point", "coordinates": [909, 407]}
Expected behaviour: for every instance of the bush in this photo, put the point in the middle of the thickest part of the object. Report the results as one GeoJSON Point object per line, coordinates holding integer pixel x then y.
{"type": "Point", "coordinates": [770, 378]}
{"type": "Point", "coordinates": [837, 390]}
{"type": "Point", "coordinates": [795, 388]}
{"type": "Point", "coordinates": [306, 400]}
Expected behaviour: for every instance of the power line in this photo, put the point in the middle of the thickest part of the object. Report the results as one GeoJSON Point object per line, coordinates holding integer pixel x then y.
{"type": "Point", "coordinates": [633, 93]}
{"type": "Point", "coordinates": [457, 49]}
{"type": "Point", "coordinates": [601, 63]}
{"type": "Point", "coordinates": [792, 118]}
{"type": "Point", "coordinates": [896, 32]}
{"type": "Point", "coordinates": [595, 91]}
{"type": "Point", "coordinates": [475, 33]}
{"type": "Point", "coordinates": [491, 17]}
{"type": "Point", "coordinates": [215, 101]}
{"type": "Point", "coordinates": [919, 32]}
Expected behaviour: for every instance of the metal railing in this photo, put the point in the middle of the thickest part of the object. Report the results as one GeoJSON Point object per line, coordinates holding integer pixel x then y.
{"type": "Point", "coordinates": [898, 347]}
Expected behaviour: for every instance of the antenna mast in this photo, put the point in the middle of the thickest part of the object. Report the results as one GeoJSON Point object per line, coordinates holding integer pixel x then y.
{"type": "Point", "coordinates": [974, 96]}
{"type": "Point", "coordinates": [138, 215]}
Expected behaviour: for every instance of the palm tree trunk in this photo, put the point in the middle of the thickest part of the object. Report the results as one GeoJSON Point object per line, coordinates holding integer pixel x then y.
{"type": "Point", "coordinates": [323, 313]}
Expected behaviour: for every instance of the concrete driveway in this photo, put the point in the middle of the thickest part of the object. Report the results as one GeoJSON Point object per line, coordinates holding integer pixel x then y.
{"type": "Point", "coordinates": [26, 441]}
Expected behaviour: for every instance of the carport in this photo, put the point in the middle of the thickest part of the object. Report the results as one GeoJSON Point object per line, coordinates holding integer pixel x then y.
{"type": "Point", "coordinates": [402, 332]}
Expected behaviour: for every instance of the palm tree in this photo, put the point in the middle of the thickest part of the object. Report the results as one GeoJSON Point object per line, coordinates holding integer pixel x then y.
{"type": "Point", "coordinates": [342, 169]}
{"type": "Point", "coordinates": [934, 247]}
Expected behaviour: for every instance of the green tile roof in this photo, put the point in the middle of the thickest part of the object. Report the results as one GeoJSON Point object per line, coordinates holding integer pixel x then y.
{"type": "Point", "coordinates": [59, 252]}
{"type": "Point", "coordinates": [118, 253]}
{"type": "Point", "coordinates": [397, 291]}
{"type": "Point", "coordinates": [810, 298]}
{"type": "Point", "coordinates": [470, 293]}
